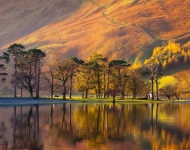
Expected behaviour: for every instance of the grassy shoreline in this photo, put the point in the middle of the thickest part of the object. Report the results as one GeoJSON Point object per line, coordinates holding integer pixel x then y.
{"type": "Point", "coordinates": [48, 101]}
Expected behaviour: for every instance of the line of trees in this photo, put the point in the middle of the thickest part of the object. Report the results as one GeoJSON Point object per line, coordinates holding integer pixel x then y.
{"type": "Point", "coordinates": [96, 76]}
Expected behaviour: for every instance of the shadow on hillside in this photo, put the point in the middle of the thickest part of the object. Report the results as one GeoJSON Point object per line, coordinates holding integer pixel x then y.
{"type": "Point", "coordinates": [34, 16]}
{"type": "Point", "coordinates": [148, 48]}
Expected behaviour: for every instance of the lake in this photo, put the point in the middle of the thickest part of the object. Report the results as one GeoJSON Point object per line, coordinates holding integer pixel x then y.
{"type": "Point", "coordinates": [80, 126]}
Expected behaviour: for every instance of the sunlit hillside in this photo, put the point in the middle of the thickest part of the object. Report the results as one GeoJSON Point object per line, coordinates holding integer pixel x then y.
{"type": "Point", "coordinates": [119, 29]}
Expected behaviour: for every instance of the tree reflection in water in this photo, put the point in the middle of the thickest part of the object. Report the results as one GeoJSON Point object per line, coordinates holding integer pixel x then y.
{"type": "Point", "coordinates": [26, 129]}
{"type": "Point", "coordinates": [3, 141]}
{"type": "Point", "coordinates": [100, 126]}
{"type": "Point", "coordinates": [120, 126]}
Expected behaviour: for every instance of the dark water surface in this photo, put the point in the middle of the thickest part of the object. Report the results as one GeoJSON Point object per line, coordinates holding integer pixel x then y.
{"type": "Point", "coordinates": [95, 126]}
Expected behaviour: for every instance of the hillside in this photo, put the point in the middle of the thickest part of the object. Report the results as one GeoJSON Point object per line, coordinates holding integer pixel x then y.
{"type": "Point", "coordinates": [21, 17]}
{"type": "Point", "coordinates": [119, 29]}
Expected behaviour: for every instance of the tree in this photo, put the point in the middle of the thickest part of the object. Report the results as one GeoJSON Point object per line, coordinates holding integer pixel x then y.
{"type": "Point", "coordinates": [20, 65]}
{"type": "Point", "coordinates": [36, 56]}
{"type": "Point", "coordinates": [135, 83]}
{"type": "Point", "coordinates": [29, 70]}
{"type": "Point", "coordinates": [49, 82]}
{"type": "Point", "coordinates": [14, 51]}
{"type": "Point", "coordinates": [27, 75]}
{"type": "Point", "coordinates": [182, 85]}
{"type": "Point", "coordinates": [151, 69]}
{"type": "Point", "coordinates": [118, 68]}
{"type": "Point", "coordinates": [62, 75]}
{"type": "Point", "coordinates": [97, 64]}
{"type": "Point", "coordinates": [74, 66]}
{"type": "Point", "coordinates": [84, 80]}
{"type": "Point", "coordinates": [168, 91]}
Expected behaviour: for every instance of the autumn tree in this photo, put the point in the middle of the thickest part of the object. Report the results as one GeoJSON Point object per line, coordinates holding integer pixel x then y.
{"type": "Point", "coordinates": [84, 80]}
{"type": "Point", "coordinates": [168, 91]}
{"type": "Point", "coordinates": [74, 64]}
{"type": "Point", "coordinates": [183, 84]}
{"type": "Point", "coordinates": [136, 84]}
{"type": "Point", "coordinates": [97, 63]}
{"type": "Point", "coordinates": [170, 54]}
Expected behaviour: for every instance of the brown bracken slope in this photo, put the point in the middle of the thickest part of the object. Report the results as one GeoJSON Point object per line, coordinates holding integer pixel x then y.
{"type": "Point", "coordinates": [119, 29]}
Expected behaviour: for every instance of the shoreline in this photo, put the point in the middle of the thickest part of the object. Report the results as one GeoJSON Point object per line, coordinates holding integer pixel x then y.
{"type": "Point", "coordinates": [50, 101]}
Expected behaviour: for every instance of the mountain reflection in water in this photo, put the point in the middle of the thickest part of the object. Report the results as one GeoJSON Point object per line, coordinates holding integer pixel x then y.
{"type": "Point", "coordinates": [95, 126]}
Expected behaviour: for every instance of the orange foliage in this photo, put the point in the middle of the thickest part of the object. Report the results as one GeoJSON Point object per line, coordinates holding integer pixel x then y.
{"type": "Point", "coordinates": [172, 53]}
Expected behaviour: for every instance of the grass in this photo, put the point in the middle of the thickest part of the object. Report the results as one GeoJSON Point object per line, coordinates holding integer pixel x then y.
{"type": "Point", "coordinates": [118, 100]}
{"type": "Point", "coordinates": [10, 101]}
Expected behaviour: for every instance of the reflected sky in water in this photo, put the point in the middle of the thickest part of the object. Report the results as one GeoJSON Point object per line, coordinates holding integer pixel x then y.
{"type": "Point", "coordinates": [95, 126]}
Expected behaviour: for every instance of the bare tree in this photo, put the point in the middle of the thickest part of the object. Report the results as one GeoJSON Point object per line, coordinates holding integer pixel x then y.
{"type": "Point", "coordinates": [152, 70]}
{"type": "Point", "coordinates": [62, 75]}
{"type": "Point", "coordinates": [49, 82]}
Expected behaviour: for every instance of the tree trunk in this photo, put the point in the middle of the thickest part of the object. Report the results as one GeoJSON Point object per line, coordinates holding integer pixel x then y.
{"type": "Point", "coordinates": [71, 87]}
{"type": "Point", "coordinates": [51, 93]}
{"type": "Point", "coordinates": [21, 82]}
{"type": "Point", "coordinates": [31, 94]}
{"type": "Point", "coordinates": [108, 86]}
{"type": "Point", "coordinates": [104, 85]}
{"type": "Point", "coordinates": [37, 78]}
{"type": "Point", "coordinates": [52, 86]}
{"type": "Point", "coordinates": [38, 83]}
{"type": "Point", "coordinates": [82, 94]}
{"type": "Point", "coordinates": [113, 96]}
{"type": "Point", "coordinates": [64, 93]}
{"type": "Point", "coordinates": [99, 88]}
{"type": "Point", "coordinates": [152, 84]}
{"type": "Point", "coordinates": [157, 94]}
{"type": "Point", "coordinates": [86, 93]}
{"type": "Point", "coordinates": [122, 93]}
{"type": "Point", "coordinates": [64, 96]}
{"type": "Point", "coordinates": [15, 79]}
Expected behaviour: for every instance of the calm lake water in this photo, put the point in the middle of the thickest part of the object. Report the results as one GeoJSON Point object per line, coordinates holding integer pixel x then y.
{"type": "Point", "coordinates": [95, 126]}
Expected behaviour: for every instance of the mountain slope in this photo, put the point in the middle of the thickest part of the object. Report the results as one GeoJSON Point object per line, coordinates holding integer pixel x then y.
{"type": "Point", "coordinates": [20, 17]}
{"type": "Point", "coordinates": [119, 29]}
